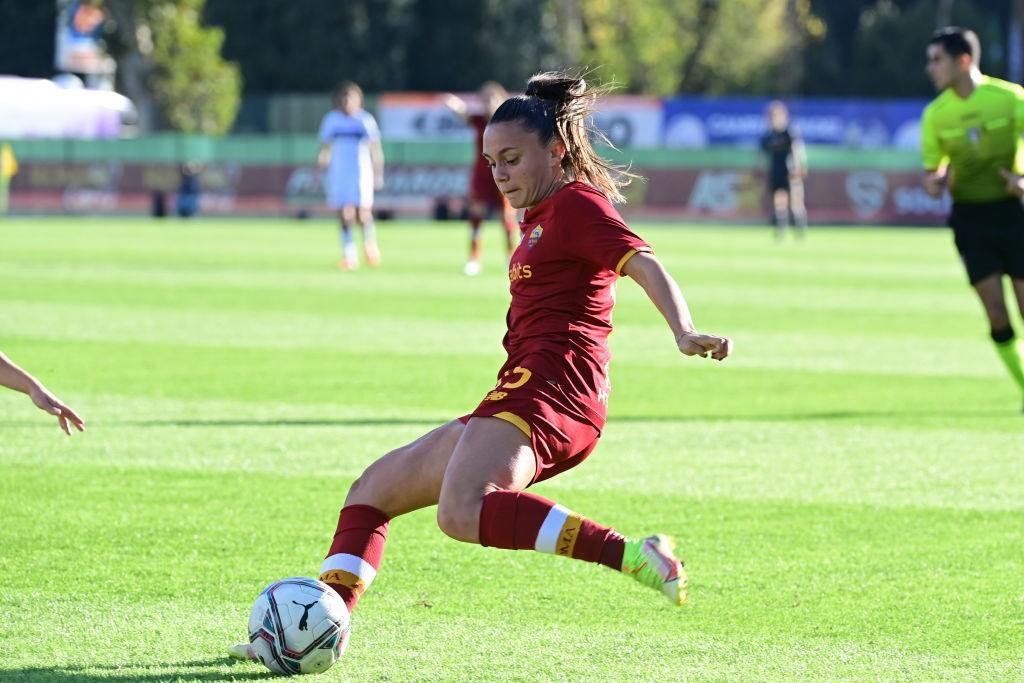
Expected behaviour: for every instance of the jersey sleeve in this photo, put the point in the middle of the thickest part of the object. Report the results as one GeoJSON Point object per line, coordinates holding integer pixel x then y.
{"type": "Point", "coordinates": [1018, 113]}
{"type": "Point", "coordinates": [325, 129]}
{"type": "Point", "coordinates": [931, 153]}
{"type": "Point", "coordinates": [597, 234]}
{"type": "Point", "coordinates": [372, 131]}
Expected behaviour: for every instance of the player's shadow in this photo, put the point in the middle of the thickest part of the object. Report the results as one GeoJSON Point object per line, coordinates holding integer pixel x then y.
{"type": "Point", "coordinates": [837, 415]}
{"type": "Point", "coordinates": [814, 416]}
{"type": "Point", "coordinates": [212, 669]}
{"type": "Point", "coordinates": [277, 422]}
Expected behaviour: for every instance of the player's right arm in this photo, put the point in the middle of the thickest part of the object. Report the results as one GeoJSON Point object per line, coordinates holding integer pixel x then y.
{"type": "Point", "coordinates": [936, 164]}
{"type": "Point", "coordinates": [13, 377]}
{"type": "Point", "coordinates": [323, 155]}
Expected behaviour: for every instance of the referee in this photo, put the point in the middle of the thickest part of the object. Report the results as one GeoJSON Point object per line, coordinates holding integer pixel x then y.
{"type": "Point", "coordinates": [971, 143]}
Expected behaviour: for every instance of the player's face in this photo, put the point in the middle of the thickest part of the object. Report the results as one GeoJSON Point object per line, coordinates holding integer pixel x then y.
{"type": "Point", "coordinates": [523, 169]}
{"type": "Point", "coordinates": [778, 117]}
{"type": "Point", "coordinates": [941, 67]}
{"type": "Point", "coordinates": [349, 101]}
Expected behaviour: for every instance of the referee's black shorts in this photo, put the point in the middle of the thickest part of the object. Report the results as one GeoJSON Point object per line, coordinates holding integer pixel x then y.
{"type": "Point", "coordinates": [989, 237]}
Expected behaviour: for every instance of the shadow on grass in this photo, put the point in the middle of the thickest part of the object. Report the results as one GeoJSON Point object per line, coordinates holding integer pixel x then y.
{"type": "Point", "coordinates": [274, 422]}
{"type": "Point", "coordinates": [837, 415]}
{"type": "Point", "coordinates": [212, 669]}
{"type": "Point", "coordinates": [814, 416]}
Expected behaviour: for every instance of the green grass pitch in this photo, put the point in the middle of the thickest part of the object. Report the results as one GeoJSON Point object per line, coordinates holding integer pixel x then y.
{"type": "Point", "coordinates": [848, 489]}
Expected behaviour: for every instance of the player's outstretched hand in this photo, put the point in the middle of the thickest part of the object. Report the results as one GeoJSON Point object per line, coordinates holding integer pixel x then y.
{"type": "Point", "coordinates": [704, 345]}
{"type": "Point", "coordinates": [1014, 183]}
{"type": "Point", "coordinates": [455, 103]}
{"type": "Point", "coordinates": [53, 405]}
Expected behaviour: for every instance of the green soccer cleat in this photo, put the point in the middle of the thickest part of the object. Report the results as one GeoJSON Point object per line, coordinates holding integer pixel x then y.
{"type": "Point", "coordinates": [652, 562]}
{"type": "Point", "coordinates": [241, 651]}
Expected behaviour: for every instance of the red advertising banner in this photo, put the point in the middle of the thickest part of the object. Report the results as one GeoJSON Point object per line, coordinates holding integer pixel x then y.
{"type": "Point", "coordinates": [854, 196]}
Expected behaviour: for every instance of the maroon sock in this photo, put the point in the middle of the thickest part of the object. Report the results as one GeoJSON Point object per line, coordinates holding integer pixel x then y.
{"type": "Point", "coordinates": [474, 239]}
{"type": "Point", "coordinates": [511, 232]}
{"type": "Point", "coordinates": [517, 520]}
{"type": "Point", "coordinates": [356, 552]}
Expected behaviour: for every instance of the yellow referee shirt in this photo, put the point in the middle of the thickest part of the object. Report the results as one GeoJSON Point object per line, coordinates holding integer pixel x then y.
{"type": "Point", "coordinates": [976, 136]}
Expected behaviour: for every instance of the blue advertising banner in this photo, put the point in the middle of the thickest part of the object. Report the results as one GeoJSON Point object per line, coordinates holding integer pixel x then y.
{"type": "Point", "coordinates": [700, 122]}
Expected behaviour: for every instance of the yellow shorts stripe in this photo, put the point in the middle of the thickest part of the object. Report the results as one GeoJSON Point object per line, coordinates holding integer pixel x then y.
{"type": "Point", "coordinates": [567, 537]}
{"type": "Point", "coordinates": [517, 421]}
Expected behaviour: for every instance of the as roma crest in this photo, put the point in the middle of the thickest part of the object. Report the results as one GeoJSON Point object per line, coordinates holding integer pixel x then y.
{"type": "Point", "coordinates": [534, 237]}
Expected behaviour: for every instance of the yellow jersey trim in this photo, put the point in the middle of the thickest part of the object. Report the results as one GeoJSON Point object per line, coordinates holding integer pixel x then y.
{"type": "Point", "coordinates": [622, 261]}
{"type": "Point", "coordinates": [629, 254]}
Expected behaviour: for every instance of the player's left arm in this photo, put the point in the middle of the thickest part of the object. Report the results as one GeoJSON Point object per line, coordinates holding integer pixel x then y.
{"type": "Point", "coordinates": [799, 158]}
{"type": "Point", "coordinates": [376, 151]}
{"type": "Point", "coordinates": [1014, 180]}
{"type": "Point", "coordinates": [377, 159]}
{"type": "Point", "coordinates": [456, 105]}
{"type": "Point", "coordinates": [663, 291]}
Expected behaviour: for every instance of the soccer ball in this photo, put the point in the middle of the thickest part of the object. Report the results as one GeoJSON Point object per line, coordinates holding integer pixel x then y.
{"type": "Point", "coordinates": [298, 626]}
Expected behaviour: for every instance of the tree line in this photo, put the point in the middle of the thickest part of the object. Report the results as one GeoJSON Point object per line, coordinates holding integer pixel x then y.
{"type": "Point", "coordinates": [186, 62]}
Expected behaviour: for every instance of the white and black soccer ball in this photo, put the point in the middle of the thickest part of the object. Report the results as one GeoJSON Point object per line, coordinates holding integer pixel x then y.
{"type": "Point", "coordinates": [298, 626]}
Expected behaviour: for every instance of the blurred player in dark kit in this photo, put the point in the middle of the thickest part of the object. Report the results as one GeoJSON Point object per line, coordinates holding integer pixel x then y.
{"type": "Point", "coordinates": [787, 169]}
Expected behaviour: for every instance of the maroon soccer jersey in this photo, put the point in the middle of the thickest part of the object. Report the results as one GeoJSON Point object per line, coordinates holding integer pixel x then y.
{"type": "Point", "coordinates": [481, 182]}
{"type": "Point", "coordinates": [562, 278]}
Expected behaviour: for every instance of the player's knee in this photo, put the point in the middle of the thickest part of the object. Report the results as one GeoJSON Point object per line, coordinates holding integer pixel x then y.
{"type": "Point", "coordinates": [369, 486]}
{"type": "Point", "coordinates": [457, 520]}
{"type": "Point", "coordinates": [360, 487]}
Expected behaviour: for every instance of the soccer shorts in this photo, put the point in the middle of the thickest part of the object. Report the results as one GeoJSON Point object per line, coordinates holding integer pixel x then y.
{"type": "Point", "coordinates": [561, 436]}
{"type": "Point", "coordinates": [989, 237]}
{"type": "Point", "coordinates": [348, 186]}
{"type": "Point", "coordinates": [778, 181]}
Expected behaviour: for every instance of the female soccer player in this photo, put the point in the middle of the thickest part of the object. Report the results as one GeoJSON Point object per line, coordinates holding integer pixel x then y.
{"type": "Point", "coordinates": [351, 153]}
{"type": "Point", "coordinates": [13, 377]}
{"type": "Point", "coordinates": [484, 196]}
{"type": "Point", "coordinates": [546, 412]}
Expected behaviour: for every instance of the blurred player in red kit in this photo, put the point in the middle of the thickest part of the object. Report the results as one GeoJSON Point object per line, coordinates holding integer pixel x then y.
{"type": "Point", "coordinates": [484, 196]}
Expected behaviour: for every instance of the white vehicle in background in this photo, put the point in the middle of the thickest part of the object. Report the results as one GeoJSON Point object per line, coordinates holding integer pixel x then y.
{"type": "Point", "coordinates": [40, 108]}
